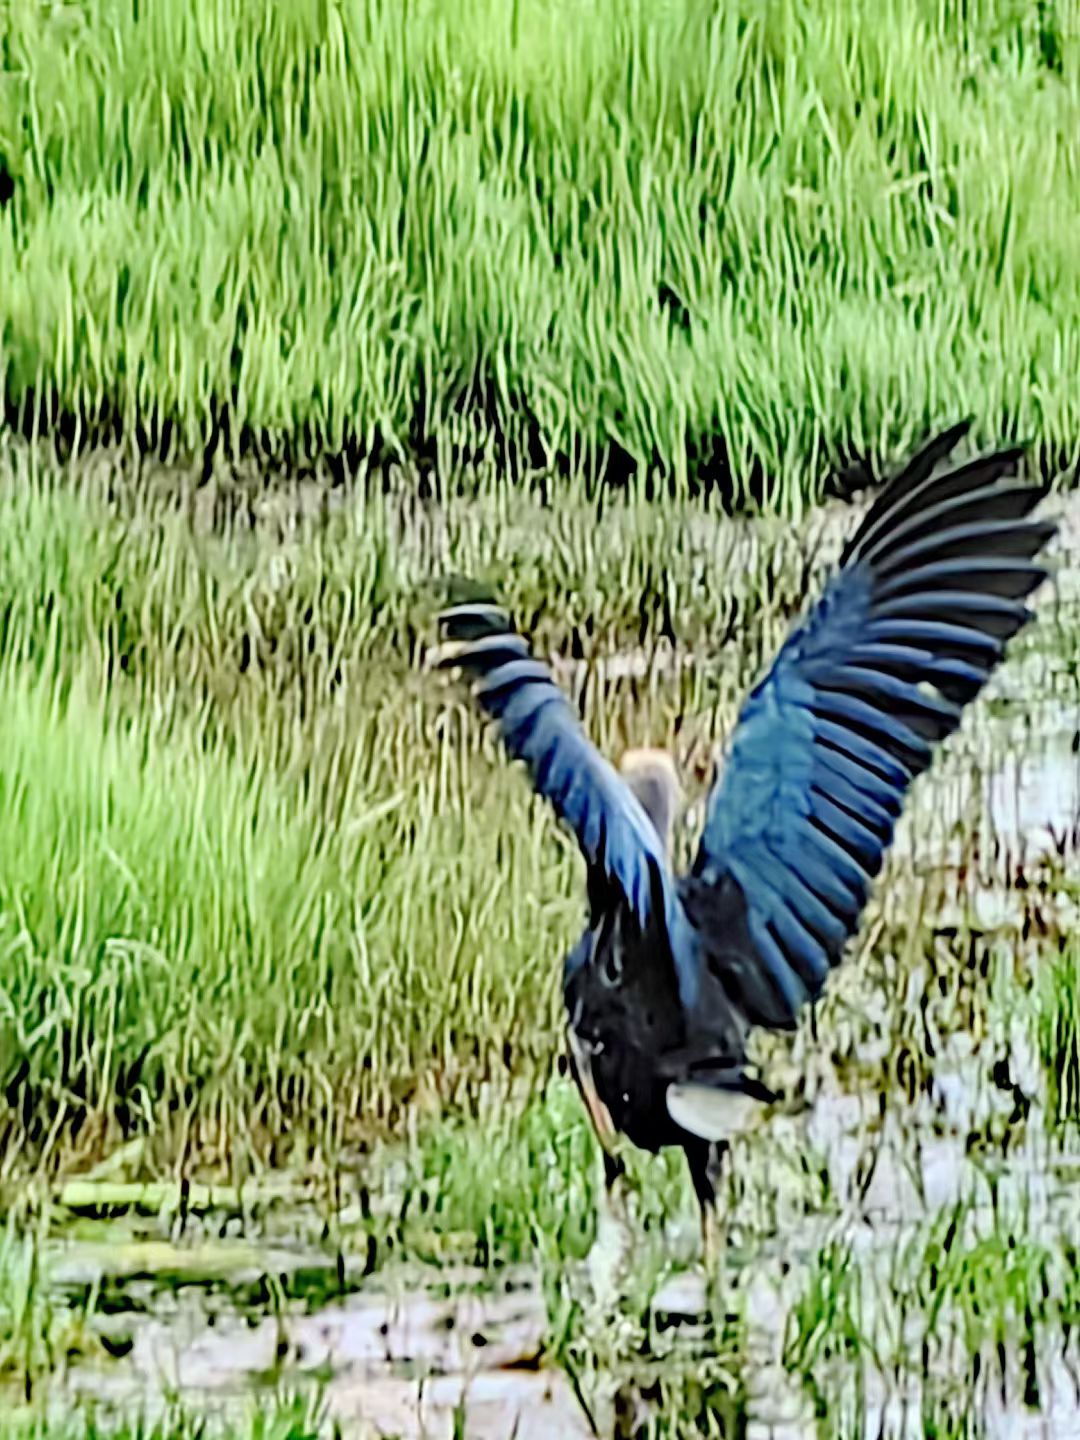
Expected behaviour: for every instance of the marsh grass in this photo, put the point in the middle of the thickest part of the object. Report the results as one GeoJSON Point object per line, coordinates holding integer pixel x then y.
{"type": "Point", "coordinates": [279, 1419]}
{"type": "Point", "coordinates": [39, 1332]}
{"type": "Point", "coordinates": [725, 245]}
{"type": "Point", "coordinates": [1059, 1025]}
{"type": "Point", "coordinates": [960, 1305]}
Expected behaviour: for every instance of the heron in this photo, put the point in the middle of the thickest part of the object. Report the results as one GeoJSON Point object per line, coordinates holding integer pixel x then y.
{"type": "Point", "coordinates": [673, 971]}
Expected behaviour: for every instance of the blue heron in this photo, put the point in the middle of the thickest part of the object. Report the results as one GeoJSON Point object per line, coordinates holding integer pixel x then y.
{"type": "Point", "coordinates": [672, 971]}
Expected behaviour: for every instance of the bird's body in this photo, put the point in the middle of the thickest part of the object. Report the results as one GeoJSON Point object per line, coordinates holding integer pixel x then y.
{"type": "Point", "coordinates": [655, 1064]}
{"type": "Point", "coordinates": [672, 972]}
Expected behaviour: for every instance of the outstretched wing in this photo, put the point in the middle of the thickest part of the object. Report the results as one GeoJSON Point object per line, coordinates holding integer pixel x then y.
{"type": "Point", "coordinates": [538, 726]}
{"type": "Point", "coordinates": [906, 633]}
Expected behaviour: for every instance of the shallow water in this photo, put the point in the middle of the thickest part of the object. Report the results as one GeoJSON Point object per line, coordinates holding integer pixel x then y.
{"type": "Point", "coordinates": [397, 1364]}
{"type": "Point", "coordinates": [399, 1359]}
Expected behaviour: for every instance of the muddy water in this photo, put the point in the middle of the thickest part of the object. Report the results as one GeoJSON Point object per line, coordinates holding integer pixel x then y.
{"type": "Point", "coordinates": [405, 1364]}
{"type": "Point", "coordinates": [915, 1176]}
{"type": "Point", "coordinates": [394, 1358]}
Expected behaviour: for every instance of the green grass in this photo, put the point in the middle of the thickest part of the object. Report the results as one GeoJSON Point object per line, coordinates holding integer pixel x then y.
{"type": "Point", "coordinates": [959, 1305]}
{"type": "Point", "coordinates": [183, 931]}
{"type": "Point", "coordinates": [1059, 1031]}
{"type": "Point", "coordinates": [275, 1420]}
{"type": "Point", "coordinates": [39, 1332]}
{"type": "Point", "coordinates": [608, 230]}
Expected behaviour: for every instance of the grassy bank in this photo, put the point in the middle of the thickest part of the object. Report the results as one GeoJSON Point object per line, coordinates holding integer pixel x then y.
{"type": "Point", "coordinates": [722, 240]}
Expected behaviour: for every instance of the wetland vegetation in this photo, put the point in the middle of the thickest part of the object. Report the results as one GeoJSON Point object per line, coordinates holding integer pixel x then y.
{"type": "Point", "coordinates": [342, 302]}
{"type": "Point", "coordinates": [731, 244]}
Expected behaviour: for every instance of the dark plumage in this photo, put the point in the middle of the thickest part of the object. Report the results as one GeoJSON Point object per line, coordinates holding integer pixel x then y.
{"type": "Point", "coordinates": [671, 972]}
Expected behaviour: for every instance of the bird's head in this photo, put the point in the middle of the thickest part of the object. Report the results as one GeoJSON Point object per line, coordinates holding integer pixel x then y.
{"type": "Point", "coordinates": [652, 776]}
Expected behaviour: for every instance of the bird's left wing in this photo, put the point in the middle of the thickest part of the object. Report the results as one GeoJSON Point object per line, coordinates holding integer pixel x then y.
{"type": "Point", "coordinates": [906, 633]}
{"type": "Point", "coordinates": [615, 835]}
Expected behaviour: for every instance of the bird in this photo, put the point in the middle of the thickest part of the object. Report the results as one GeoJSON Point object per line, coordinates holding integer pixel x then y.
{"type": "Point", "coordinates": [672, 972]}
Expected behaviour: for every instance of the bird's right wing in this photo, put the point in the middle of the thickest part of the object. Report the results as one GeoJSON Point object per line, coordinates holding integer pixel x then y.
{"type": "Point", "coordinates": [904, 636]}
{"type": "Point", "coordinates": [615, 835]}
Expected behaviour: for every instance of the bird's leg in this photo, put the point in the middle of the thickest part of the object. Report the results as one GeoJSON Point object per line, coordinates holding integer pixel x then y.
{"type": "Point", "coordinates": [614, 1171]}
{"type": "Point", "coordinates": [612, 1246]}
{"type": "Point", "coordinates": [609, 1251]}
{"type": "Point", "coordinates": [712, 1235]}
{"type": "Point", "coordinates": [705, 1162]}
